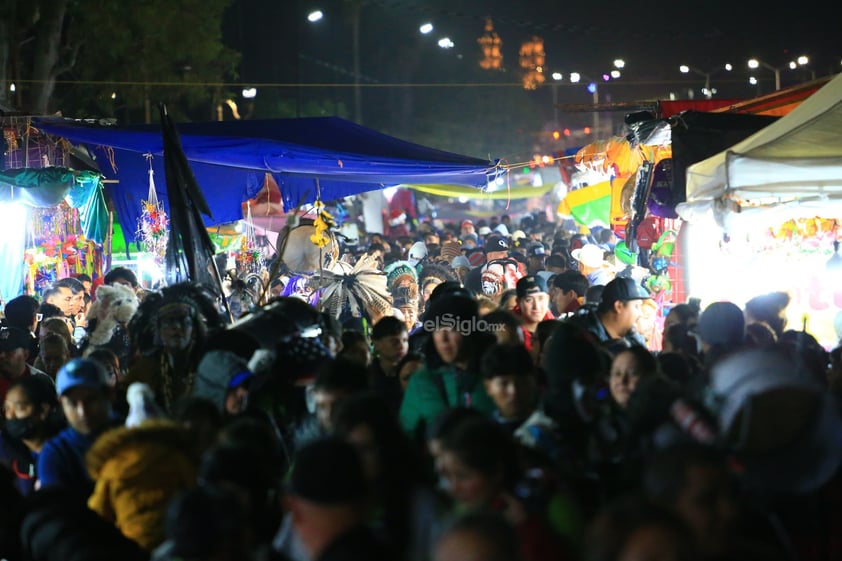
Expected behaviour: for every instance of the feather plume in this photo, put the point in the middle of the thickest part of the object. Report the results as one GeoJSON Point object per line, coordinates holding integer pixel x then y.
{"type": "Point", "coordinates": [358, 289]}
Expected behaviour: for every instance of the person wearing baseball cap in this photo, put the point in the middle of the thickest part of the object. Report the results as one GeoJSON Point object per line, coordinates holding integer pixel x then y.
{"type": "Point", "coordinates": [82, 386]}
{"type": "Point", "coordinates": [533, 304]}
{"type": "Point", "coordinates": [496, 247]}
{"type": "Point", "coordinates": [467, 228]}
{"type": "Point", "coordinates": [15, 344]}
{"type": "Point", "coordinates": [619, 308]}
{"type": "Point", "coordinates": [536, 255]}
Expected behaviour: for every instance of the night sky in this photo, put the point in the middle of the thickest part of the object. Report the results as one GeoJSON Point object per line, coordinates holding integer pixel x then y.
{"type": "Point", "coordinates": [280, 47]}
{"type": "Point", "coordinates": [653, 37]}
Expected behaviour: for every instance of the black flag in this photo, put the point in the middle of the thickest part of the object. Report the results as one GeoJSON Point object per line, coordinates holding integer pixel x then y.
{"type": "Point", "coordinates": [189, 248]}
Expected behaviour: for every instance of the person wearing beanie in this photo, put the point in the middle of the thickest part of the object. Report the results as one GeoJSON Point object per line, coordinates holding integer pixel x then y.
{"type": "Point", "coordinates": [720, 331]}
{"type": "Point", "coordinates": [451, 376]}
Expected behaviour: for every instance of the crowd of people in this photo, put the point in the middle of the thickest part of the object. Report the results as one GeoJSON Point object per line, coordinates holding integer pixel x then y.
{"type": "Point", "coordinates": [523, 397]}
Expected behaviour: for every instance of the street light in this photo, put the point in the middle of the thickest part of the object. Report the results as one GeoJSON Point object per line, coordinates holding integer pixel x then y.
{"type": "Point", "coordinates": [754, 63]}
{"type": "Point", "coordinates": [707, 90]}
{"type": "Point", "coordinates": [315, 16]}
{"type": "Point", "coordinates": [593, 88]}
{"type": "Point", "coordinates": [426, 28]}
{"type": "Point", "coordinates": [802, 61]}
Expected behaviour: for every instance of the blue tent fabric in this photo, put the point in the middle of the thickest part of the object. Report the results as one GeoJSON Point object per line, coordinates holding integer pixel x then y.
{"type": "Point", "coordinates": [229, 159]}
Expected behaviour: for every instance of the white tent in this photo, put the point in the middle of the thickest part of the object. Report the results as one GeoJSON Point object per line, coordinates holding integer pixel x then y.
{"type": "Point", "coordinates": [792, 168]}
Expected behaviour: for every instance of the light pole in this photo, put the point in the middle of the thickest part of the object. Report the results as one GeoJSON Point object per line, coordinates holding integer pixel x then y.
{"type": "Point", "coordinates": [557, 77]}
{"type": "Point", "coordinates": [802, 61]}
{"type": "Point", "coordinates": [593, 88]}
{"type": "Point", "coordinates": [755, 63]}
{"type": "Point", "coordinates": [356, 9]}
{"type": "Point", "coordinates": [707, 91]}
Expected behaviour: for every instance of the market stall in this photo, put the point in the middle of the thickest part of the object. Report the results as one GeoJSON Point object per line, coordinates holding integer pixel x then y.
{"type": "Point", "coordinates": [765, 213]}
{"type": "Point", "coordinates": [56, 224]}
{"type": "Point", "coordinates": [309, 158]}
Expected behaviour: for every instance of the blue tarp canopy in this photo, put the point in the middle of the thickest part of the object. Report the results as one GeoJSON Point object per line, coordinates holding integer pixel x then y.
{"type": "Point", "coordinates": [230, 158]}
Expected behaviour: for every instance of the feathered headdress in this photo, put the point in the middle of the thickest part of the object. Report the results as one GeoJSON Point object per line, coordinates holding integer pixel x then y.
{"type": "Point", "coordinates": [402, 277]}
{"type": "Point", "coordinates": [360, 289]}
{"type": "Point", "coordinates": [143, 325]}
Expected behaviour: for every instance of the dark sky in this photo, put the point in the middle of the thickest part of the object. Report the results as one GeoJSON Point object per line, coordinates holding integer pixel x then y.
{"type": "Point", "coordinates": [653, 37]}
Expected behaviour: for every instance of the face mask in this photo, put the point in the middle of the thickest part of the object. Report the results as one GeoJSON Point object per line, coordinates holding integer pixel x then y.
{"type": "Point", "coordinates": [21, 428]}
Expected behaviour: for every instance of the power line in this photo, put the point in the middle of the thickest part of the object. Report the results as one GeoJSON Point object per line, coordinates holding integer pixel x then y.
{"type": "Point", "coordinates": [617, 84]}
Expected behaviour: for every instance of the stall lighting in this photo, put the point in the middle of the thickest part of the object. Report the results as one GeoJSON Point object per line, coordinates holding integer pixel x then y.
{"type": "Point", "coordinates": [557, 76]}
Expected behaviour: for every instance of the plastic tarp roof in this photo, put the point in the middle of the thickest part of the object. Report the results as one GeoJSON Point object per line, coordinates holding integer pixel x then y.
{"type": "Point", "coordinates": [230, 158]}
{"type": "Point", "coordinates": [793, 165]}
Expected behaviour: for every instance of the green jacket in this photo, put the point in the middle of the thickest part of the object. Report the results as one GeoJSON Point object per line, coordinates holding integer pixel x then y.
{"type": "Point", "coordinates": [424, 400]}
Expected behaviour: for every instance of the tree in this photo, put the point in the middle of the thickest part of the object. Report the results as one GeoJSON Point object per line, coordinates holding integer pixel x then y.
{"type": "Point", "coordinates": [89, 57]}
{"type": "Point", "coordinates": [147, 51]}
{"type": "Point", "coordinates": [33, 49]}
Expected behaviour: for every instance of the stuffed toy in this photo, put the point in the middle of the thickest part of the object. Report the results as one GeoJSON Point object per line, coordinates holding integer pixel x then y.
{"type": "Point", "coordinates": [114, 305]}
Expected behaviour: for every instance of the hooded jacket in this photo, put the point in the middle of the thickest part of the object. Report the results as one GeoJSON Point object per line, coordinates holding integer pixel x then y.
{"type": "Point", "coordinates": [137, 472]}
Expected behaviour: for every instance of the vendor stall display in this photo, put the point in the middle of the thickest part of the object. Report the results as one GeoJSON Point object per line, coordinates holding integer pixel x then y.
{"type": "Point", "coordinates": [64, 226]}
{"type": "Point", "coordinates": [56, 248]}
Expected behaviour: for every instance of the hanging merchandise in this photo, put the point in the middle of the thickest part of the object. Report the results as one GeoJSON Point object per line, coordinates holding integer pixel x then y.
{"type": "Point", "coordinates": [661, 259]}
{"type": "Point", "coordinates": [323, 223]}
{"type": "Point", "coordinates": [57, 248]}
{"type": "Point", "coordinates": [249, 258]}
{"type": "Point", "coordinates": [153, 224]}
